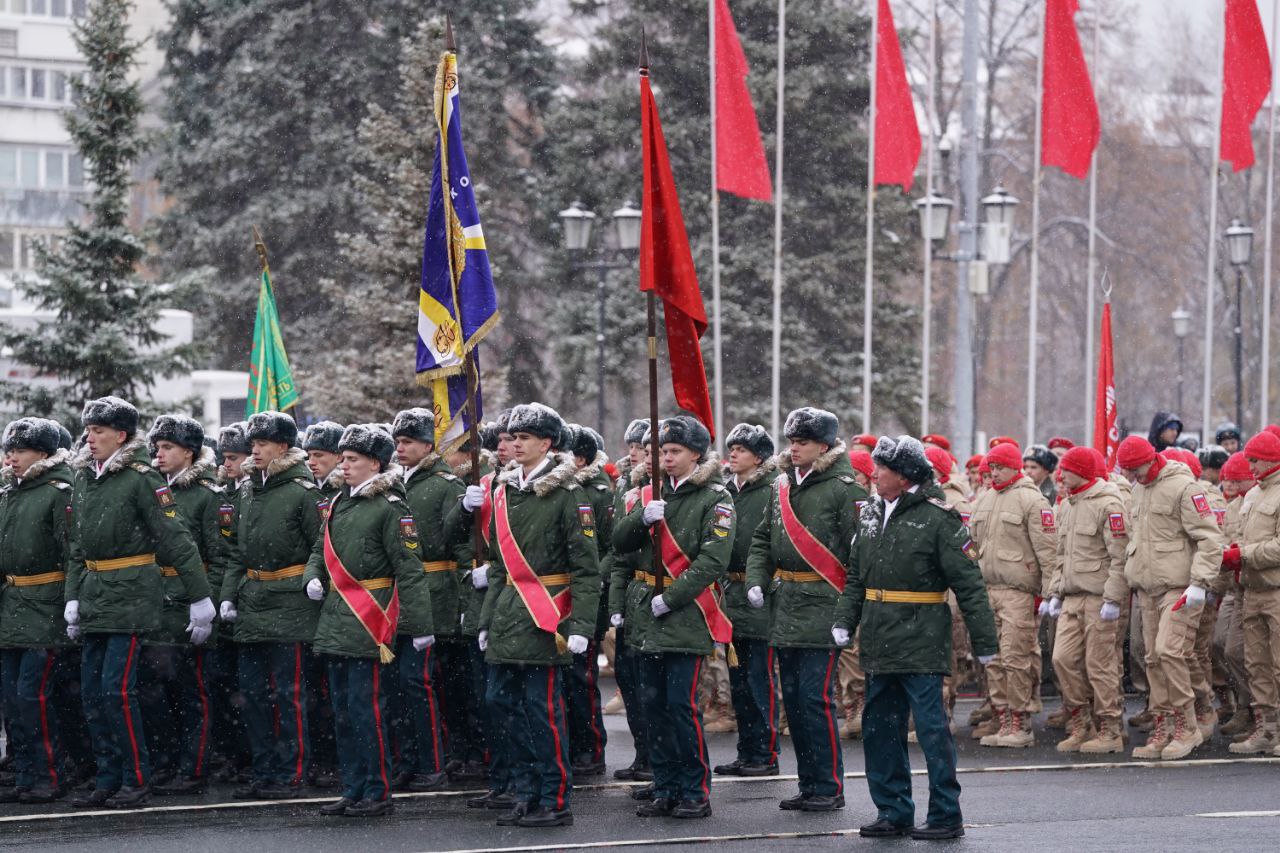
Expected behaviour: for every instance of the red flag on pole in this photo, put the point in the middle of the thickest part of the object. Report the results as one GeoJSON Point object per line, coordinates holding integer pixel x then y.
{"type": "Point", "coordinates": [1106, 431]}
{"type": "Point", "coordinates": [666, 266]}
{"type": "Point", "coordinates": [741, 167]}
{"type": "Point", "coordinates": [897, 133]}
{"type": "Point", "coordinates": [1246, 80]}
{"type": "Point", "coordinates": [1069, 114]}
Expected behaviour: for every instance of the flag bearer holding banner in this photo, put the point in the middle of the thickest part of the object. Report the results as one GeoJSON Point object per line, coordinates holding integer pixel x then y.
{"type": "Point", "coordinates": [369, 555]}
{"type": "Point", "coordinates": [544, 586]}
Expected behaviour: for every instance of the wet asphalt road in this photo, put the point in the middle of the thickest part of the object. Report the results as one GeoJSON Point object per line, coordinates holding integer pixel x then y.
{"type": "Point", "coordinates": [1016, 800]}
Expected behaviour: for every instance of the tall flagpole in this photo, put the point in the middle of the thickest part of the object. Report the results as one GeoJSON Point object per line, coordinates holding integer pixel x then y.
{"type": "Point", "coordinates": [1092, 269]}
{"type": "Point", "coordinates": [716, 358]}
{"type": "Point", "coordinates": [775, 420]}
{"type": "Point", "coordinates": [1212, 261]}
{"type": "Point", "coordinates": [926, 337]}
{"type": "Point", "coordinates": [869, 266]}
{"type": "Point", "coordinates": [1263, 414]}
{"type": "Point", "coordinates": [1033, 309]}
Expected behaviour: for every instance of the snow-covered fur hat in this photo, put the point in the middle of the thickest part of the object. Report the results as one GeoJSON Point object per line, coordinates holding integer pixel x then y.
{"type": "Point", "coordinates": [752, 438]}
{"type": "Point", "coordinates": [502, 424]}
{"type": "Point", "coordinates": [233, 438]}
{"type": "Point", "coordinates": [905, 455]}
{"type": "Point", "coordinates": [568, 438]}
{"type": "Point", "coordinates": [212, 443]}
{"type": "Point", "coordinates": [324, 435]}
{"type": "Point", "coordinates": [684, 430]}
{"type": "Point", "coordinates": [111, 412]}
{"type": "Point", "coordinates": [636, 431]}
{"type": "Point", "coordinates": [489, 437]}
{"type": "Point", "coordinates": [65, 441]}
{"type": "Point", "coordinates": [1041, 455]}
{"type": "Point", "coordinates": [370, 440]}
{"type": "Point", "coordinates": [179, 429]}
{"type": "Point", "coordinates": [536, 419]}
{"type": "Point", "coordinates": [31, 434]}
{"type": "Point", "coordinates": [272, 426]}
{"type": "Point", "coordinates": [584, 444]}
{"type": "Point", "coordinates": [813, 424]}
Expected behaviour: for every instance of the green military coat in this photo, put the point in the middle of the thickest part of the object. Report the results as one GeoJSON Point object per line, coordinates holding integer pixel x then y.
{"type": "Point", "coordinates": [826, 503]}
{"type": "Point", "coordinates": [127, 511]}
{"type": "Point", "coordinates": [432, 490]}
{"type": "Point", "coordinates": [702, 520]}
{"type": "Point", "coordinates": [751, 502]}
{"type": "Point", "coordinates": [599, 488]}
{"type": "Point", "coordinates": [457, 528]}
{"type": "Point", "coordinates": [279, 520]}
{"type": "Point", "coordinates": [375, 536]}
{"type": "Point", "coordinates": [552, 523]}
{"type": "Point", "coordinates": [924, 547]}
{"type": "Point", "coordinates": [34, 530]}
{"type": "Point", "coordinates": [332, 485]}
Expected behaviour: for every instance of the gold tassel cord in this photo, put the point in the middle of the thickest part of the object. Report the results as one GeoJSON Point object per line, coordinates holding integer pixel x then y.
{"type": "Point", "coordinates": [385, 654]}
{"type": "Point", "coordinates": [562, 645]}
{"type": "Point", "coordinates": [732, 656]}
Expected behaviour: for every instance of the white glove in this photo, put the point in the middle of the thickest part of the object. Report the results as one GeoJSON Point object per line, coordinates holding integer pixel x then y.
{"type": "Point", "coordinates": [315, 589]}
{"type": "Point", "coordinates": [73, 632]}
{"type": "Point", "coordinates": [71, 613]}
{"type": "Point", "coordinates": [201, 612]}
{"type": "Point", "coordinates": [483, 640]}
{"type": "Point", "coordinates": [473, 499]}
{"type": "Point", "coordinates": [420, 643]}
{"type": "Point", "coordinates": [199, 633]}
{"type": "Point", "coordinates": [480, 577]}
{"type": "Point", "coordinates": [1043, 609]}
{"type": "Point", "coordinates": [577, 644]}
{"type": "Point", "coordinates": [986, 659]}
{"type": "Point", "coordinates": [654, 511]}
{"type": "Point", "coordinates": [1110, 612]}
{"type": "Point", "coordinates": [840, 635]}
{"type": "Point", "coordinates": [1055, 607]}
{"type": "Point", "coordinates": [755, 597]}
{"type": "Point", "coordinates": [1195, 596]}
{"type": "Point", "coordinates": [659, 607]}
{"type": "Point", "coordinates": [616, 620]}
{"type": "Point", "coordinates": [229, 612]}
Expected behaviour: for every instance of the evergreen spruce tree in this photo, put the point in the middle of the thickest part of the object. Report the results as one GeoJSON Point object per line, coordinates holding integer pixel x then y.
{"type": "Point", "coordinates": [102, 339]}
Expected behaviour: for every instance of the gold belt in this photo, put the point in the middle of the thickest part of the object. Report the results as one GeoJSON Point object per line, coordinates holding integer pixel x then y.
{"type": "Point", "coordinates": [800, 577]}
{"type": "Point", "coordinates": [554, 580]}
{"type": "Point", "coordinates": [736, 577]}
{"type": "Point", "coordinates": [35, 580]}
{"type": "Point", "coordinates": [277, 575]}
{"type": "Point", "coordinates": [115, 564]}
{"type": "Point", "coordinates": [898, 596]}
{"type": "Point", "coordinates": [439, 566]}
{"type": "Point", "coordinates": [646, 577]}
{"type": "Point", "coordinates": [378, 583]}
{"type": "Point", "coordinates": [172, 572]}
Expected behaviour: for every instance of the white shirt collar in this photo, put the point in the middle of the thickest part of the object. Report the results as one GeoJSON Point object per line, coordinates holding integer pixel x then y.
{"type": "Point", "coordinates": [801, 476]}
{"type": "Point", "coordinates": [101, 467]}
{"type": "Point", "coordinates": [172, 477]}
{"type": "Point", "coordinates": [675, 484]}
{"type": "Point", "coordinates": [355, 490]}
{"type": "Point", "coordinates": [890, 506]}
{"type": "Point", "coordinates": [522, 480]}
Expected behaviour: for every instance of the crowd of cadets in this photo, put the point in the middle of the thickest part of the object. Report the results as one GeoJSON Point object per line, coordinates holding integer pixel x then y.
{"type": "Point", "coordinates": [382, 623]}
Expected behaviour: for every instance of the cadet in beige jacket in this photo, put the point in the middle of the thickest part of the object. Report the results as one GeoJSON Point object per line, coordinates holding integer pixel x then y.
{"type": "Point", "coordinates": [1175, 551]}
{"type": "Point", "coordinates": [1257, 557]}
{"type": "Point", "coordinates": [1236, 480]}
{"type": "Point", "coordinates": [1086, 593]}
{"type": "Point", "coordinates": [1014, 530]}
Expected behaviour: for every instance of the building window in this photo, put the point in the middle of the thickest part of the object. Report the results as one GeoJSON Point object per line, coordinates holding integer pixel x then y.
{"type": "Point", "coordinates": [49, 85]}
{"type": "Point", "coordinates": [40, 168]}
{"type": "Point", "coordinates": [18, 248]}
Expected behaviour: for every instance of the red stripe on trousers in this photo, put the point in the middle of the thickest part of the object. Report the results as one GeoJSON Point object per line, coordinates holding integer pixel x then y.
{"type": "Point", "coordinates": [128, 716]}
{"type": "Point", "coordinates": [773, 709]}
{"type": "Point", "coordinates": [431, 706]}
{"type": "Point", "coordinates": [555, 735]}
{"type": "Point", "coordinates": [377, 724]}
{"type": "Point", "coordinates": [697, 724]}
{"type": "Point", "coordinates": [593, 703]}
{"type": "Point", "coordinates": [44, 721]}
{"type": "Point", "coordinates": [832, 737]}
{"type": "Point", "coordinates": [204, 713]}
{"type": "Point", "coordinates": [297, 709]}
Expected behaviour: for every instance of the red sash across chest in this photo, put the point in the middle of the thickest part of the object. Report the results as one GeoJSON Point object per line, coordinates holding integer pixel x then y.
{"type": "Point", "coordinates": [379, 623]}
{"type": "Point", "coordinates": [813, 552]}
{"type": "Point", "coordinates": [546, 610]}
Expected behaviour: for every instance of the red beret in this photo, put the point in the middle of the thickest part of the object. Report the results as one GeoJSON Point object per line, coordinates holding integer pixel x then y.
{"type": "Point", "coordinates": [1264, 446]}
{"type": "Point", "coordinates": [1186, 457]}
{"type": "Point", "coordinates": [1273, 429]}
{"type": "Point", "coordinates": [1237, 468]}
{"type": "Point", "coordinates": [1059, 441]}
{"type": "Point", "coordinates": [1081, 462]}
{"type": "Point", "coordinates": [866, 440]}
{"type": "Point", "coordinates": [1099, 460]}
{"type": "Point", "coordinates": [939, 440]}
{"type": "Point", "coordinates": [1006, 455]}
{"type": "Point", "coordinates": [940, 459]}
{"type": "Point", "coordinates": [861, 461]}
{"type": "Point", "coordinates": [1134, 452]}
{"type": "Point", "coordinates": [1004, 439]}
{"type": "Point", "coordinates": [974, 460]}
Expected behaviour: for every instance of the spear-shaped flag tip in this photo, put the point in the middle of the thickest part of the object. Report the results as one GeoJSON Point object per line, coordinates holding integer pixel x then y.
{"type": "Point", "coordinates": [448, 34]}
{"type": "Point", "coordinates": [644, 52]}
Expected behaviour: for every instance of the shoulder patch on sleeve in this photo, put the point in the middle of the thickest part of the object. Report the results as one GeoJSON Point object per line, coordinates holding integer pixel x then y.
{"type": "Point", "coordinates": [1047, 521]}
{"type": "Point", "coordinates": [408, 531]}
{"type": "Point", "coordinates": [587, 519]}
{"type": "Point", "coordinates": [1201, 503]}
{"type": "Point", "coordinates": [1115, 521]}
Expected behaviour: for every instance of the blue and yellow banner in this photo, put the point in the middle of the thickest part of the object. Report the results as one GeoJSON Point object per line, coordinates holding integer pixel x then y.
{"type": "Point", "coordinates": [457, 304]}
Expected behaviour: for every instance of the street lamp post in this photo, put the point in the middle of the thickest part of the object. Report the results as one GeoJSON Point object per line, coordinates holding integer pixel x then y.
{"type": "Point", "coordinates": [1239, 240]}
{"type": "Point", "coordinates": [577, 224]}
{"type": "Point", "coordinates": [1181, 327]}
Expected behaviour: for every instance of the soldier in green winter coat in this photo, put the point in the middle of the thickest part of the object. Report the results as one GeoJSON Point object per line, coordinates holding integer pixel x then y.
{"type": "Point", "coordinates": [125, 525]}
{"type": "Point", "coordinates": [587, 738]}
{"type": "Point", "coordinates": [675, 628]}
{"type": "Point", "coordinates": [320, 443]}
{"type": "Point", "coordinates": [542, 537]}
{"type": "Point", "coordinates": [280, 515]}
{"type": "Point", "coordinates": [909, 549]}
{"type": "Point", "coordinates": [230, 743]}
{"type": "Point", "coordinates": [35, 499]}
{"type": "Point", "coordinates": [432, 490]}
{"type": "Point", "coordinates": [369, 558]}
{"type": "Point", "coordinates": [175, 694]}
{"type": "Point", "coordinates": [797, 554]}
{"type": "Point", "coordinates": [752, 683]}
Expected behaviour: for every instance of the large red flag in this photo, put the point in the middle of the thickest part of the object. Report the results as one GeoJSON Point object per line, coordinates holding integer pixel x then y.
{"type": "Point", "coordinates": [1246, 80]}
{"type": "Point", "coordinates": [1068, 113]}
{"type": "Point", "coordinates": [741, 167]}
{"type": "Point", "coordinates": [666, 266]}
{"type": "Point", "coordinates": [1106, 430]}
{"type": "Point", "coordinates": [897, 133]}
